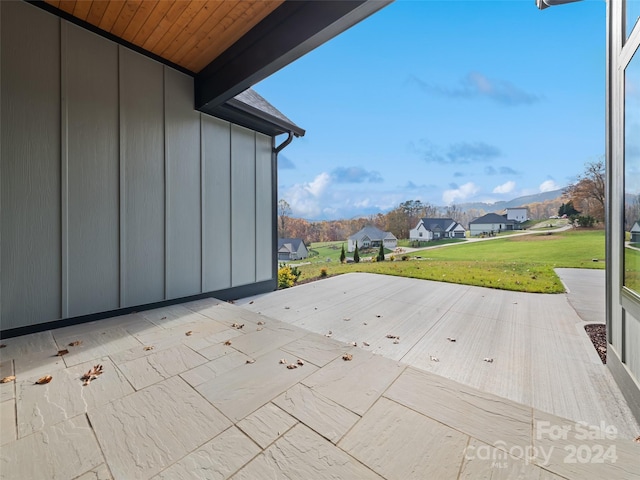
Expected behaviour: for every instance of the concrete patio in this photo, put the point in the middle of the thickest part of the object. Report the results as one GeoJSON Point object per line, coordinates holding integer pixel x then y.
{"type": "Point", "coordinates": [193, 406]}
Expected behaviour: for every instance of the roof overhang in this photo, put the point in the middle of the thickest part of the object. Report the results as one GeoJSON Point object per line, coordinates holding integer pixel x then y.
{"type": "Point", "coordinates": [227, 46]}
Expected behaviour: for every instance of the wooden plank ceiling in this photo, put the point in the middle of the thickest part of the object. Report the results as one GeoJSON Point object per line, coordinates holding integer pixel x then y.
{"type": "Point", "coordinates": [188, 33]}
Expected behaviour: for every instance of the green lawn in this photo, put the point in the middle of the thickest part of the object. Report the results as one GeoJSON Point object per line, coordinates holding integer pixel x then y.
{"type": "Point", "coordinates": [320, 252]}
{"type": "Point", "coordinates": [518, 263]}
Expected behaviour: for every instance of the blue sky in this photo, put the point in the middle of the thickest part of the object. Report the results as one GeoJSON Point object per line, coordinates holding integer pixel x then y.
{"type": "Point", "coordinates": [445, 102]}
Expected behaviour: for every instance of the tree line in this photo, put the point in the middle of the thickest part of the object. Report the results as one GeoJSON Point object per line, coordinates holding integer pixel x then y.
{"type": "Point", "coordinates": [585, 196]}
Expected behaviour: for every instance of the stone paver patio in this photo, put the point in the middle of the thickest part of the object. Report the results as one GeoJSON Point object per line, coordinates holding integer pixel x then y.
{"type": "Point", "coordinates": [217, 403]}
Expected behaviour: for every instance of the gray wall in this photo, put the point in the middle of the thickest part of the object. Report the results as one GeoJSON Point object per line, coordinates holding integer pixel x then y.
{"type": "Point", "coordinates": [114, 191]}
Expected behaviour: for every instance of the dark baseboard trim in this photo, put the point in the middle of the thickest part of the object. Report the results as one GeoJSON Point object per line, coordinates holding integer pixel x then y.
{"type": "Point", "coordinates": [225, 295]}
{"type": "Point", "coordinates": [629, 388]}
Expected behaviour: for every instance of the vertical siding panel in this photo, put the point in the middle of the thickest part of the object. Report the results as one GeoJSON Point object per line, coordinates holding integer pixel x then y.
{"type": "Point", "coordinates": [243, 206]}
{"type": "Point", "coordinates": [264, 202]}
{"type": "Point", "coordinates": [183, 182]}
{"type": "Point", "coordinates": [216, 208]}
{"type": "Point", "coordinates": [142, 135]}
{"type": "Point", "coordinates": [30, 164]}
{"type": "Point", "coordinates": [93, 206]}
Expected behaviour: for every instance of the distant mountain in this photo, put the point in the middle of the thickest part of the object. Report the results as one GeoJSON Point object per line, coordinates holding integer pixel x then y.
{"type": "Point", "coordinates": [516, 202]}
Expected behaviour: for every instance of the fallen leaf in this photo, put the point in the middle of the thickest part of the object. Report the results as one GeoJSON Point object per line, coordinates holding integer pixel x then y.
{"type": "Point", "coordinates": [392, 336]}
{"type": "Point", "coordinates": [2, 345]}
{"type": "Point", "coordinates": [283, 361]}
{"type": "Point", "coordinates": [163, 318]}
{"type": "Point", "coordinates": [346, 319]}
{"type": "Point", "coordinates": [251, 360]}
{"type": "Point", "coordinates": [347, 356]}
{"type": "Point", "coordinates": [378, 316]}
{"type": "Point", "coordinates": [396, 341]}
{"type": "Point", "coordinates": [75, 343]}
{"type": "Point", "coordinates": [637, 439]}
{"type": "Point", "coordinates": [237, 325]}
{"type": "Point", "coordinates": [146, 349]}
{"type": "Point", "coordinates": [300, 362]}
{"type": "Point", "coordinates": [451, 339]}
{"type": "Point", "coordinates": [434, 359]}
{"type": "Point", "coordinates": [231, 301]}
{"type": "Point", "coordinates": [62, 352]}
{"type": "Point", "coordinates": [366, 344]}
{"type": "Point", "coordinates": [287, 308]}
{"type": "Point", "coordinates": [259, 329]}
{"type": "Point", "coordinates": [364, 323]}
{"type": "Point", "coordinates": [91, 374]}
{"type": "Point", "coordinates": [353, 344]}
{"type": "Point", "coordinates": [488, 360]}
{"type": "Point", "coordinates": [8, 379]}
{"type": "Point", "coordinates": [189, 333]}
{"type": "Point", "coordinates": [44, 380]}
{"type": "Point", "coordinates": [328, 334]}
{"type": "Point", "coordinates": [260, 322]}
{"type": "Point", "coordinates": [292, 366]}
{"type": "Point", "coordinates": [251, 302]}
{"type": "Point", "coordinates": [227, 343]}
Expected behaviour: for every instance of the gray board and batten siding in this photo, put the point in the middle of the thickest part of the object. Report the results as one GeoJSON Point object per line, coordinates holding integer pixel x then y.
{"type": "Point", "coordinates": [114, 191]}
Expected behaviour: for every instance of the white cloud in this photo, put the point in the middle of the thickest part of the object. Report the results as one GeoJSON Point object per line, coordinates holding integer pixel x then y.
{"type": "Point", "coordinates": [306, 198]}
{"type": "Point", "coordinates": [459, 194]}
{"type": "Point", "coordinates": [548, 186]}
{"type": "Point", "coordinates": [505, 187]}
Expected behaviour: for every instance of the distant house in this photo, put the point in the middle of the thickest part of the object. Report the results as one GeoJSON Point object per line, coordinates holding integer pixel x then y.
{"type": "Point", "coordinates": [370, 237]}
{"type": "Point", "coordinates": [635, 233]}
{"type": "Point", "coordinates": [490, 223]}
{"type": "Point", "coordinates": [519, 214]}
{"type": "Point", "coordinates": [429, 229]}
{"type": "Point", "coordinates": [292, 249]}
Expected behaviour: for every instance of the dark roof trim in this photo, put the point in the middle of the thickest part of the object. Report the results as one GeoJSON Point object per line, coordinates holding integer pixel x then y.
{"type": "Point", "coordinates": [293, 29]}
{"type": "Point", "coordinates": [109, 36]}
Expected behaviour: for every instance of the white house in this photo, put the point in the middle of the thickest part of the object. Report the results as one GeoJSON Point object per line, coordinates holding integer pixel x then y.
{"type": "Point", "coordinates": [519, 214]}
{"type": "Point", "coordinates": [429, 229]}
{"type": "Point", "coordinates": [292, 249]}
{"type": "Point", "coordinates": [371, 236]}
{"type": "Point", "coordinates": [490, 223]}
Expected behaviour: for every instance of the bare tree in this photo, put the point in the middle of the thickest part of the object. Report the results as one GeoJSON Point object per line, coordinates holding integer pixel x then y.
{"type": "Point", "coordinates": [588, 192]}
{"type": "Point", "coordinates": [284, 210]}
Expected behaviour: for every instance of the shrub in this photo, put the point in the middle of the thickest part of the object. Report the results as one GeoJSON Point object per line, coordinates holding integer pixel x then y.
{"type": "Point", "coordinates": [323, 272]}
{"type": "Point", "coordinates": [380, 257]}
{"type": "Point", "coordinates": [392, 258]}
{"type": "Point", "coordinates": [356, 255]}
{"type": "Point", "coordinates": [405, 258]}
{"type": "Point", "coordinates": [343, 256]}
{"type": "Point", "coordinates": [286, 277]}
{"type": "Point", "coordinates": [585, 220]}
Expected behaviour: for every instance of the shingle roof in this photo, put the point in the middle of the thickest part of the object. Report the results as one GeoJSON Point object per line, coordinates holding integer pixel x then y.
{"type": "Point", "coordinates": [438, 223]}
{"type": "Point", "coordinates": [492, 218]}
{"type": "Point", "coordinates": [293, 244]}
{"type": "Point", "coordinates": [373, 233]}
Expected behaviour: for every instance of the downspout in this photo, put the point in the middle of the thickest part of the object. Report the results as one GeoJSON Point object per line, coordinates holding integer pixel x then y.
{"type": "Point", "coordinates": [274, 193]}
{"type": "Point", "coordinates": [282, 146]}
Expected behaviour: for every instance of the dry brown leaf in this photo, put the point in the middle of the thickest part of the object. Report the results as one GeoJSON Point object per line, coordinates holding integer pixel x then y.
{"type": "Point", "coordinates": [189, 333]}
{"type": "Point", "coordinates": [251, 302]}
{"type": "Point", "coordinates": [392, 336]}
{"type": "Point", "coordinates": [146, 349]}
{"type": "Point", "coordinates": [231, 301]}
{"type": "Point", "coordinates": [227, 343]}
{"type": "Point", "coordinates": [637, 439]}
{"type": "Point", "coordinates": [488, 360]}
{"type": "Point", "coordinates": [396, 341]}
{"type": "Point", "coordinates": [237, 325]}
{"type": "Point", "coordinates": [328, 334]}
{"type": "Point", "coordinates": [75, 343]}
{"type": "Point", "coordinates": [260, 322]}
{"type": "Point", "coordinates": [8, 379]}
{"type": "Point", "coordinates": [353, 344]}
{"type": "Point", "coordinates": [62, 352]}
{"type": "Point", "coordinates": [92, 374]}
{"type": "Point", "coordinates": [44, 380]}
{"type": "Point", "coordinates": [300, 362]}
{"type": "Point", "coordinates": [434, 359]}
{"type": "Point", "coordinates": [378, 316]}
{"type": "Point", "coordinates": [451, 339]}
{"type": "Point", "coordinates": [2, 345]}
{"type": "Point", "coordinates": [259, 329]}
{"type": "Point", "coordinates": [292, 366]}
{"type": "Point", "coordinates": [347, 356]}
{"type": "Point", "coordinates": [283, 361]}
{"type": "Point", "coordinates": [346, 319]}
{"type": "Point", "coordinates": [366, 344]}
{"type": "Point", "coordinates": [163, 318]}
{"type": "Point", "coordinates": [251, 360]}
